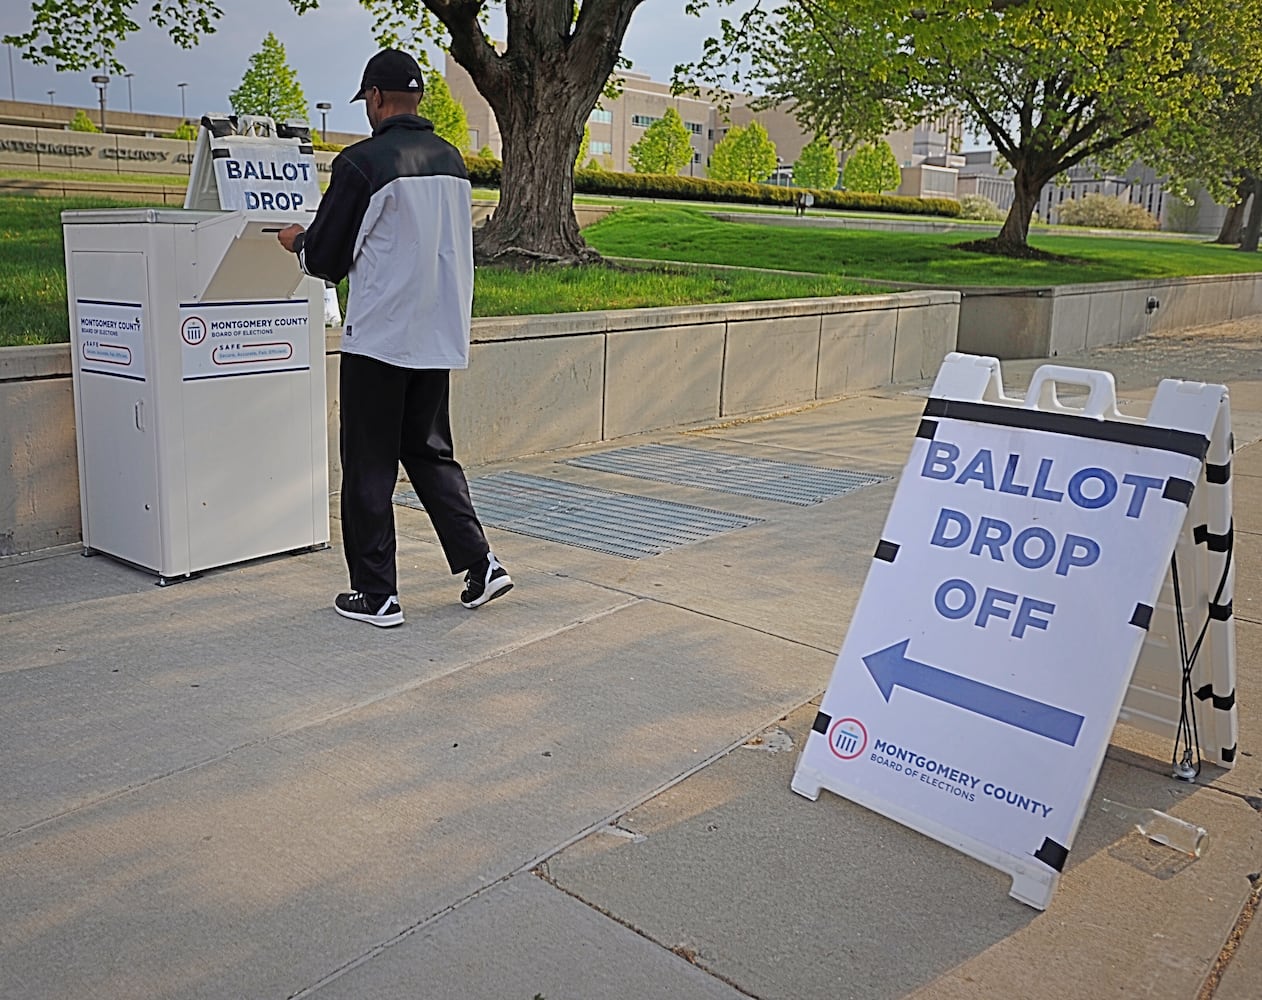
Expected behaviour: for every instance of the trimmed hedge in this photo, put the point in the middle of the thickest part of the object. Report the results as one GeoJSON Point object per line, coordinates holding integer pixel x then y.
{"type": "Point", "coordinates": [485, 172]}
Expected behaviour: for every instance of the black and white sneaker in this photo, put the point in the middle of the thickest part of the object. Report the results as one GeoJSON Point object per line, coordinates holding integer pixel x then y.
{"type": "Point", "coordinates": [485, 581]}
{"type": "Point", "coordinates": [381, 610]}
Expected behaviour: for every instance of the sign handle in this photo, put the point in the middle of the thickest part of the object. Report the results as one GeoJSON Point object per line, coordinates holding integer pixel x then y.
{"type": "Point", "coordinates": [1101, 391]}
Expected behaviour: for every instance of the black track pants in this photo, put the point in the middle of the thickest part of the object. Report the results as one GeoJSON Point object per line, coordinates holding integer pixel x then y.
{"type": "Point", "coordinates": [392, 415]}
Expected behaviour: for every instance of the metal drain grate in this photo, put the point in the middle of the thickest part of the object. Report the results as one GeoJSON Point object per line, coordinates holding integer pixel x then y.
{"type": "Point", "coordinates": [619, 524]}
{"type": "Point", "coordinates": [785, 482]}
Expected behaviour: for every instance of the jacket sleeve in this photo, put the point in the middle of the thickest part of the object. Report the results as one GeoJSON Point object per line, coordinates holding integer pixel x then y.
{"type": "Point", "coordinates": [328, 246]}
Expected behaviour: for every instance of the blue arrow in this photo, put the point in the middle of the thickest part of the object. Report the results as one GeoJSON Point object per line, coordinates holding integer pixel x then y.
{"type": "Point", "coordinates": [891, 667]}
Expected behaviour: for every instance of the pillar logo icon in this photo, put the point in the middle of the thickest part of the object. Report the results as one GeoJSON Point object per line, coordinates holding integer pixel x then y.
{"type": "Point", "coordinates": [193, 330]}
{"type": "Point", "coordinates": [847, 738]}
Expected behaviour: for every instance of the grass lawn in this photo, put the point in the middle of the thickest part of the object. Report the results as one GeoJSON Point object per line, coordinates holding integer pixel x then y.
{"type": "Point", "coordinates": [33, 284]}
{"type": "Point", "coordinates": [93, 176]}
{"type": "Point", "coordinates": [669, 233]}
{"type": "Point", "coordinates": [509, 293]}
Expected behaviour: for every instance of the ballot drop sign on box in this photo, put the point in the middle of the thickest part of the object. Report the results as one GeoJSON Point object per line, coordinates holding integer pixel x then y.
{"type": "Point", "coordinates": [252, 164]}
{"type": "Point", "coordinates": [1006, 604]}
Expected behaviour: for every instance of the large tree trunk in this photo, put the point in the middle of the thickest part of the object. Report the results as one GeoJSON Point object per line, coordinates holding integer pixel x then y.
{"type": "Point", "coordinates": [541, 89]}
{"type": "Point", "coordinates": [534, 222]}
{"type": "Point", "coordinates": [1229, 234]}
{"type": "Point", "coordinates": [1027, 185]}
{"type": "Point", "coordinates": [1253, 228]}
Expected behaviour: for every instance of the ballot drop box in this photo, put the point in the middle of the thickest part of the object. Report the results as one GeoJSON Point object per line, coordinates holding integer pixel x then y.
{"type": "Point", "coordinates": [199, 386]}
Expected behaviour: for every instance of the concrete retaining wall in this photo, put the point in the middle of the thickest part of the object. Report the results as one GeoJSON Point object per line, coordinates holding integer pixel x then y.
{"type": "Point", "coordinates": [537, 383]}
{"type": "Point", "coordinates": [1069, 319]}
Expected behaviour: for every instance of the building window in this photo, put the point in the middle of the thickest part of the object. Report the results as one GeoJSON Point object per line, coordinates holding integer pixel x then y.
{"type": "Point", "coordinates": [695, 128]}
{"type": "Point", "coordinates": [596, 148]}
{"type": "Point", "coordinates": [643, 121]}
{"type": "Point", "coordinates": [601, 117]}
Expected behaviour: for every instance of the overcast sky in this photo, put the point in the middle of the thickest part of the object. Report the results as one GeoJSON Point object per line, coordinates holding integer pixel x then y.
{"type": "Point", "coordinates": [327, 48]}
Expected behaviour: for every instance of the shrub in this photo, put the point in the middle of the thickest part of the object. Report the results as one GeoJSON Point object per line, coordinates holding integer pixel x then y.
{"type": "Point", "coordinates": [185, 130]}
{"type": "Point", "coordinates": [82, 123]}
{"type": "Point", "coordinates": [487, 172]}
{"type": "Point", "coordinates": [1104, 212]}
{"type": "Point", "coordinates": [979, 207]}
{"type": "Point", "coordinates": [744, 192]}
{"type": "Point", "coordinates": [484, 171]}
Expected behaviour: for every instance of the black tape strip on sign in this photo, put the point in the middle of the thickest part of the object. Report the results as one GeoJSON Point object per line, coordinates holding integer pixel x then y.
{"type": "Point", "coordinates": [1178, 489]}
{"type": "Point", "coordinates": [1211, 540]}
{"type": "Point", "coordinates": [1219, 475]}
{"type": "Point", "coordinates": [1140, 435]}
{"type": "Point", "coordinates": [1222, 702]}
{"type": "Point", "coordinates": [1052, 854]}
{"type": "Point", "coordinates": [822, 722]}
{"type": "Point", "coordinates": [1221, 612]}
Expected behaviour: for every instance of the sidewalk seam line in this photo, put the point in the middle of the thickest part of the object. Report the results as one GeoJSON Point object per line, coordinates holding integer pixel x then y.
{"type": "Point", "coordinates": [528, 868]}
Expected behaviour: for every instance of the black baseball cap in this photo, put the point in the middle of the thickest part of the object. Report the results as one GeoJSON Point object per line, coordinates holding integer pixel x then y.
{"type": "Point", "coordinates": [391, 69]}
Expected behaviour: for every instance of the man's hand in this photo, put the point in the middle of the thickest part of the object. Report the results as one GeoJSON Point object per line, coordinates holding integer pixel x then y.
{"type": "Point", "coordinates": [288, 235]}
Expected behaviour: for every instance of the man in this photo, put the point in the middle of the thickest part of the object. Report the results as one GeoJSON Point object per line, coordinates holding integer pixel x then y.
{"type": "Point", "coordinates": [396, 219]}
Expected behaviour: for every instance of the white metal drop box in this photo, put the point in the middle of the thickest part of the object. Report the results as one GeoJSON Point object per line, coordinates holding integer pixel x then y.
{"type": "Point", "coordinates": [199, 388]}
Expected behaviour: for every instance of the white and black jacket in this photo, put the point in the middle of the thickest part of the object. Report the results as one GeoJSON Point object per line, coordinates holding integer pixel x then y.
{"type": "Point", "coordinates": [396, 218]}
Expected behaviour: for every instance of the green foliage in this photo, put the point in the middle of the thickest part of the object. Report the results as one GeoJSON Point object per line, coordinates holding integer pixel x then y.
{"type": "Point", "coordinates": [816, 165]}
{"type": "Point", "coordinates": [317, 142]}
{"type": "Point", "coordinates": [582, 146]}
{"type": "Point", "coordinates": [186, 130]}
{"type": "Point", "coordinates": [593, 164]}
{"type": "Point", "coordinates": [979, 208]}
{"type": "Point", "coordinates": [744, 154]}
{"type": "Point", "coordinates": [1052, 83]}
{"type": "Point", "coordinates": [1181, 216]}
{"type": "Point", "coordinates": [447, 114]}
{"type": "Point", "coordinates": [1102, 211]}
{"type": "Point", "coordinates": [664, 148]}
{"type": "Point", "coordinates": [270, 86]}
{"type": "Point", "coordinates": [484, 171]}
{"type": "Point", "coordinates": [487, 153]}
{"type": "Point", "coordinates": [873, 168]}
{"type": "Point", "coordinates": [82, 123]}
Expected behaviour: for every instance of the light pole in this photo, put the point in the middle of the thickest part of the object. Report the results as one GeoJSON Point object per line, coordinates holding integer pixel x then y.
{"type": "Point", "coordinates": [101, 80]}
{"type": "Point", "coordinates": [183, 113]}
{"type": "Point", "coordinates": [323, 107]}
{"type": "Point", "coordinates": [13, 90]}
{"type": "Point", "coordinates": [129, 76]}
{"type": "Point", "coordinates": [50, 96]}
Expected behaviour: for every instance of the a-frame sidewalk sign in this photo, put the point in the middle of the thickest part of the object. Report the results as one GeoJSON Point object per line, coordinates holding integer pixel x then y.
{"type": "Point", "coordinates": [252, 164]}
{"type": "Point", "coordinates": [1021, 599]}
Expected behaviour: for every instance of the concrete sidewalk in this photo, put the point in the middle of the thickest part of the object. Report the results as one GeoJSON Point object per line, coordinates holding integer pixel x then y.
{"type": "Point", "coordinates": [221, 789]}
